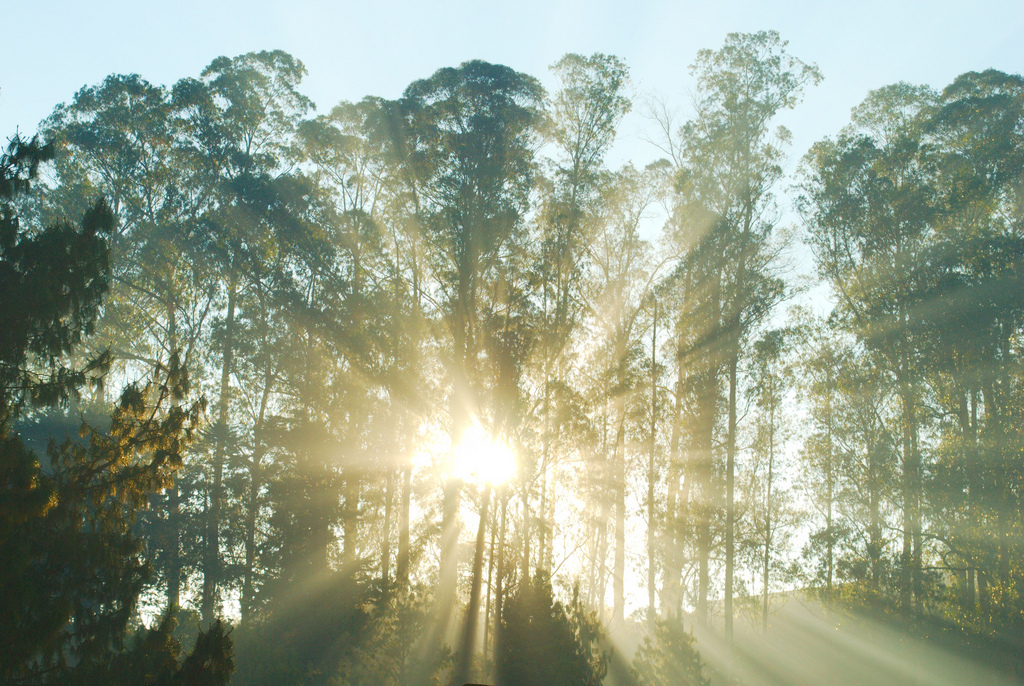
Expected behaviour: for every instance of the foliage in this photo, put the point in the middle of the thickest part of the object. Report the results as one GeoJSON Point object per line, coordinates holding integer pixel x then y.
{"type": "Point", "coordinates": [338, 630]}
{"type": "Point", "coordinates": [70, 564]}
{"type": "Point", "coordinates": [667, 658]}
{"type": "Point", "coordinates": [542, 641]}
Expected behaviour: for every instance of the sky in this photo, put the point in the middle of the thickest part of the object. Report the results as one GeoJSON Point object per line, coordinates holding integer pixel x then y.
{"type": "Point", "coordinates": [355, 49]}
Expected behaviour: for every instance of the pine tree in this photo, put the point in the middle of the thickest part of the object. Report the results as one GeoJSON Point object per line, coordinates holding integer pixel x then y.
{"type": "Point", "coordinates": [70, 563]}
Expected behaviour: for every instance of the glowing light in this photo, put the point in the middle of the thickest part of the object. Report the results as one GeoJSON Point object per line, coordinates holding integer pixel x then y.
{"type": "Point", "coordinates": [480, 458]}
{"type": "Point", "coordinates": [431, 448]}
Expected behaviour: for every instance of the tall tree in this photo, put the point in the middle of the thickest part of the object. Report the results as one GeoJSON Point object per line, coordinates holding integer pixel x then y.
{"type": "Point", "coordinates": [585, 114]}
{"type": "Point", "coordinates": [121, 138]}
{"type": "Point", "coordinates": [239, 122]}
{"type": "Point", "coordinates": [473, 130]}
{"type": "Point", "coordinates": [731, 162]}
{"type": "Point", "coordinates": [622, 276]}
{"type": "Point", "coordinates": [71, 564]}
{"type": "Point", "coordinates": [974, 296]}
{"type": "Point", "coordinates": [870, 204]}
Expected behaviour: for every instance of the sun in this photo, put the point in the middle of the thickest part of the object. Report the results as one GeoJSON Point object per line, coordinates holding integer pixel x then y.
{"type": "Point", "coordinates": [481, 458]}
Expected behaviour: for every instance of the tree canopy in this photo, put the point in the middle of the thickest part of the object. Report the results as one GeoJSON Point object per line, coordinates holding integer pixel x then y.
{"type": "Point", "coordinates": [426, 390]}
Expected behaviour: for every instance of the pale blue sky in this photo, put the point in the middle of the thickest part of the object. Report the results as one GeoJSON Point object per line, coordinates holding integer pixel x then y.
{"type": "Point", "coordinates": [354, 49]}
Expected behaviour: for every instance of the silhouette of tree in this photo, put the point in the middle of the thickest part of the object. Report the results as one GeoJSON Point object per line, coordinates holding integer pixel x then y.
{"type": "Point", "coordinates": [69, 561]}
{"type": "Point", "coordinates": [542, 641]}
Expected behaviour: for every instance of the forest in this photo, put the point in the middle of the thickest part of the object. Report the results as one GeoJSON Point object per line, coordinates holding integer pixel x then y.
{"type": "Point", "coordinates": [424, 391]}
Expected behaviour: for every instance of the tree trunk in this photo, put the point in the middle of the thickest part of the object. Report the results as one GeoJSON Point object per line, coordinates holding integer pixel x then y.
{"type": "Point", "coordinates": [973, 488]}
{"type": "Point", "coordinates": [619, 570]}
{"type": "Point", "coordinates": [385, 544]}
{"type": "Point", "coordinates": [768, 522]}
{"type": "Point", "coordinates": [592, 552]}
{"type": "Point", "coordinates": [211, 563]}
{"type": "Point", "coordinates": [402, 571]}
{"type": "Point", "coordinates": [174, 547]}
{"type": "Point", "coordinates": [875, 515]}
{"type": "Point", "coordinates": [602, 562]}
{"type": "Point", "coordinates": [173, 494]}
{"type": "Point", "coordinates": [473, 611]}
{"type": "Point", "coordinates": [734, 334]}
{"type": "Point", "coordinates": [1001, 490]}
{"type": "Point", "coordinates": [703, 447]}
{"type": "Point", "coordinates": [830, 478]}
{"type": "Point", "coordinates": [651, 479]}
{"type": "Point", "coordinates": [524, 567]}
{"type": "Point", "coordinates": [545, 457]}
{"type": "Point", "coordinates": [490, 583]}
{"type": "Point", "coordinates": [730, 486]}
{"type": "Point", "coordinates": [499, 589]}
{"type": "Point", "coordinates": [461, 409]}
{"type": "Point", "coordinates": [448, 573]}
{"type": "Point", "coordinates": [252, 505]}
{"type": "Point", "coordinates": [350, 515]}
{"type": "Point", "coordinates": [670, 595]}
{"type": "Point", "coordinates": [910, 582]}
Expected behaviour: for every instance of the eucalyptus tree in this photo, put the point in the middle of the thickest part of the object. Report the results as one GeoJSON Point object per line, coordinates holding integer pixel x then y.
{"type": "Point", "coordinates": [870, 206]}
{"type": "Point", "coordinates": [585, 114]}
{"type": "Point", "coordinates": [352, 170]}
{"type": "Point", "coordinates": [414, 380]}
{"type": "Point", "coordinates": [122, 139]}
{"type": "Point", "coordinates": [473, 132]}
{"type": "Point", "coordinates": [731, 160]}
{"type": "Point", "coordinates": [691, 294]}
{"type": "Point", "coordinates": [269, 322]}
{"type": "Point", "coordinates": [335, 380]}
{"type": "Point", "coordinates": [238, 123]}
{"type": "Point", "coordinates": [621, 277]}
{"type": "Point", "coordinates": [263, 343]}
{"type": "Point", "coordinates": [974, 313]}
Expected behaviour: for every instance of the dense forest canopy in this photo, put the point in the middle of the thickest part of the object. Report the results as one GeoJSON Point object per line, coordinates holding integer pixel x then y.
{"type": "Point", "coordinates": [423, 391]}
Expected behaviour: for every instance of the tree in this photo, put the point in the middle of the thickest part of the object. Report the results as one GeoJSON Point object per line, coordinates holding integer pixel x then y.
{"type": "Point", "coordinates": [402, 209]}
{"type": "Point", "coordinates": [622, 275]}
{"type": "Point", "coordinates": [585, 114]}
{"type": "Point", "coordinates": [668, 656]}
{"type": "Point", "coordinates": [823, 374]}
{"type": "Point", "coordinates": [69, 560]}
{"type": "Point", "coordinates": [472, 134]}
{"type": "Point", "coordinates": [730, 163]}
{"type": "Point", "coordinates": [545, 642]}
{"type": "Point", "coordinates": [122, 139]}
{"type": "Point", "coordinates": [239, 120]}
{"type": "Point", "coordinates": [869, 201]}
{"type": "Point", "coordinates": [974, 289]}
